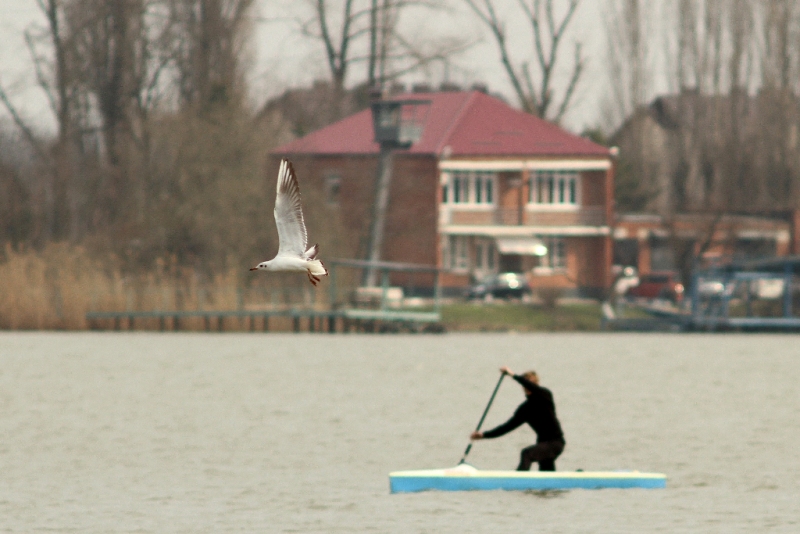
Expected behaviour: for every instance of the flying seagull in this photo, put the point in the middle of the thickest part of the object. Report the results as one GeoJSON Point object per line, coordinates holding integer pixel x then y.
{"type": "Point", "coordinates": [293, 254]}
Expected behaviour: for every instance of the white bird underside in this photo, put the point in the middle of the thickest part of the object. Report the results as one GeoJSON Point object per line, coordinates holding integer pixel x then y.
{"type": "Point", "coordinates": [293, 251]}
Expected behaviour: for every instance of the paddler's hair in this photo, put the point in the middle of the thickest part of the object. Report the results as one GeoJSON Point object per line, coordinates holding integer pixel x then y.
{"type": "Point", "coordinates": [532, 376]}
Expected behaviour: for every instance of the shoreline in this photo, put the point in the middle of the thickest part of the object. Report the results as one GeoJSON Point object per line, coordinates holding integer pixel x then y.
{"type": "Point", "coordinates": [496, 317]}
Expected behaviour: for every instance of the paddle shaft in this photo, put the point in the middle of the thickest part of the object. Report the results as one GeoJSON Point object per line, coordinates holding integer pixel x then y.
{"type": "Point", "coordinates": [491, 399]}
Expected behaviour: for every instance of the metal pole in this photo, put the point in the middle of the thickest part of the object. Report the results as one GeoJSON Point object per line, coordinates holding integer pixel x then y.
{"type": "Point", "coordinates": [787, 290]}
{"type": "Point", "coordinates": [437, 292]}
{"type": "Point", "coordinates": [384, 288]}
{"type": "Point", "coordinates": [379, 213]}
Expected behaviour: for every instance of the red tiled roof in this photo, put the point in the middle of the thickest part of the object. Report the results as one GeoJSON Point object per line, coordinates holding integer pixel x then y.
{"type": "Point", "coordinates": [469, 123]}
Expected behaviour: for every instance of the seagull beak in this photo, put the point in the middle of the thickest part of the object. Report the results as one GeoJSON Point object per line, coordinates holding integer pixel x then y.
{"type": "Point", "coordinates": [253, 268]}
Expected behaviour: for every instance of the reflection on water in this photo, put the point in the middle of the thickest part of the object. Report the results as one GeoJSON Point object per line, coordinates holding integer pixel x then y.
{"type": "Point", "coordinates": [297, 433]}
{"type": "Point", "coordinates": [546, 494]}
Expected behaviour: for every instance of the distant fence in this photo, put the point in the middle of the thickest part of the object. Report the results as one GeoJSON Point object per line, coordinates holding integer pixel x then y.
{"type": "Point", "coordinates": [354, 320]}
{"type": "Point", "coordinates": [345, 307]}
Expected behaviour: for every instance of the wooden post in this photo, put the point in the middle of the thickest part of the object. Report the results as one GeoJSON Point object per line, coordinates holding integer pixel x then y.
{"type": "Point", "coordinates": [265, 327]}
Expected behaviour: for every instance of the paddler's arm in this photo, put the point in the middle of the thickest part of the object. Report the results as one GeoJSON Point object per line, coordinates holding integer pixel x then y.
{"type": "Point", "coordinates": [516, 420]}
{"type": "Point", "coordinates": [524, 382]}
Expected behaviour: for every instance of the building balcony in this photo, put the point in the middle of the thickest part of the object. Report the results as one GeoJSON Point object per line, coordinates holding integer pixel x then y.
{"type": "Point", "coordinates": [582, 216]}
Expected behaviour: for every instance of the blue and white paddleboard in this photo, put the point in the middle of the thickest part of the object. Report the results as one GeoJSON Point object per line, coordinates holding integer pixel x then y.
{"type": "Point", "coordinates": [465, 477]}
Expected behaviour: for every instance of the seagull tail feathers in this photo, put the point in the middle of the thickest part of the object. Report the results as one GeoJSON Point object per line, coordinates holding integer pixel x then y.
{"type": "Point", "coordinates": [317, 268]}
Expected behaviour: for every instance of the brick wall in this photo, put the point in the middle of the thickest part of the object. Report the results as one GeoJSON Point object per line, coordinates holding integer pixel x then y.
{"type": "Point", "coordinates": [593, 188]}
{"type": "Point", "coordinates": [591, 270]}
{"type": "Point", "coordinates": [410, 233]}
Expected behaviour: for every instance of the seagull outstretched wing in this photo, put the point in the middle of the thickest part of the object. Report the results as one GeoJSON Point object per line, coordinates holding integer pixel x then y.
{"type": "Point", "coordinates": [289, 214]}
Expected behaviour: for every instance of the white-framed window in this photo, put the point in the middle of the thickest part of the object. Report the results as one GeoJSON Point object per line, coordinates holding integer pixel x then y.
{"type": "Point", "coordinates": [461, 188]}
{"type": "Point", "coordinates": [484, 188]}
{"type": "Point", "coordinates": [556, 257]}
{"type": "Point", "coordinates": [456, 252]}
{"type": "Point", "coordinates": [475, 188]}
{"type": "Point", "coordinates": [553, 188]}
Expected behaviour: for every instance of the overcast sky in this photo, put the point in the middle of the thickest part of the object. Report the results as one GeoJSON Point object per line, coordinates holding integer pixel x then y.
{"type": "Point", "coordinates": [283, 58]}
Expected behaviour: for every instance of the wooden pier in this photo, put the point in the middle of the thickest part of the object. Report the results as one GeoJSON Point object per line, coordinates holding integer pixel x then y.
{"type": "Point", "coordinates": [342, 317]}
{"type": "Point", "coordinates": [748, 296]}
{"type": "Point", "coordinates": [755, 295]}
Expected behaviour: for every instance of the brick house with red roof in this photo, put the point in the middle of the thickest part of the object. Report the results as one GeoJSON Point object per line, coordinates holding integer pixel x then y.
{"type": "Point", "coordinates": [480, 192]}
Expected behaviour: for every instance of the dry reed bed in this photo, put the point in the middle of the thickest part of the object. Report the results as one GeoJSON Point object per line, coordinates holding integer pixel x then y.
{"type": "Point", "coordinates": [54, 288]}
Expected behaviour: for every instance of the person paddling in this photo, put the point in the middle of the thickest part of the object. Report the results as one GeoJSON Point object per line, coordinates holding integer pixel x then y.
{"type": "Point", "coordinates": [539, 411]}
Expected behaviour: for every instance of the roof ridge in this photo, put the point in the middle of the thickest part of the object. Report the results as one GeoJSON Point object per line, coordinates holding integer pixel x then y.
{"type": "Point", "coordinates": [470, 123]}
{"type": "Point", "coordinates": [458, 116]}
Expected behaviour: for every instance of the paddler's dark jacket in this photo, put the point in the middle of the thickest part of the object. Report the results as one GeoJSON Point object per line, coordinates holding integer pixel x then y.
{"type": "Point", "coordinates": [539, 411]}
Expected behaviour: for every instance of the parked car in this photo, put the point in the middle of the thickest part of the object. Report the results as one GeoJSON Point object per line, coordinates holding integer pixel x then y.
{"type": "Point", "coordinates": [658, 285]}
{"type": "Point", "coordinates": [501, 286]}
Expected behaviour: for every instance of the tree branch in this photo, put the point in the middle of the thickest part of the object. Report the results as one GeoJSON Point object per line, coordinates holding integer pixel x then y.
{"type": "Point", "coordinates": [490, 19]}
{"type": "Point", "coordinates": [26, 131]}
{"type": "Point", "coordinates": [573, 82]}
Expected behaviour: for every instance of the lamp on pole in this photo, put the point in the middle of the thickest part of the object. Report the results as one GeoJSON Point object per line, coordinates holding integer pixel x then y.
{"type": "Point", "coordinates": [397, 124]}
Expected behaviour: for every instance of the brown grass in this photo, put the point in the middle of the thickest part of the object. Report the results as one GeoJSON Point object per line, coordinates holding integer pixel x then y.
{"type": "Point", "coordinates": [54, 288]}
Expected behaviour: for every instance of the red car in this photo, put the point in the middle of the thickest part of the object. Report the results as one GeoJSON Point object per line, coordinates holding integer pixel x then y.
{"type": "Point", "coordinates": [658, 285]}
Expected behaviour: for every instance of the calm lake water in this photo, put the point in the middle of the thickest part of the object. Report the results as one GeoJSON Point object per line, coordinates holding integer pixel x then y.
{"type": "Point", "coordinates": [141, 432]}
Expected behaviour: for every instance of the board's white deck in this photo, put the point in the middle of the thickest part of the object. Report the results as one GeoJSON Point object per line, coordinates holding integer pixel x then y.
{"type": "Point", "coordinates": [466, 477]}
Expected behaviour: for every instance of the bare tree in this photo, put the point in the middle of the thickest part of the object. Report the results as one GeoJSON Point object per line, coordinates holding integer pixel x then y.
{"type": "Point", "coordinates": [779, 57]}
{"type": "Point", "coordinates": [337, 46]}
{"type": "Point", "coordinates": [54, 190]}
{"type": "Point", "coordinates": [95, 63]}
{"type": "Point", "coordinates": [627, 29]}
{"type": "Point", "coordinates": [713, 56]}
{"type": "Point", "coordinates": [741, 42]}
{"type": "Point", "coordinates": [732, 144]}
{"type": "Point", "coordinates": [697, 60]}
{"type": "Point", "coordinates": [714, 45]}
{"type": "Point", "coordinates": [780, 38]}
{"type": "Point", "coordinates": [711, 169]}
{"type": "Point", "coordinates": [105, 67]}
{"type": "Point", "coordinates": [627, 58]}
{"type": "Point", "coordinates": [536, 94]}
{"type": "Point", "coordinates": [208, 43]}
{"type": "Point", "coordinates": [356, 32]}
{"type": "Point", "coordinates": [16, 209]}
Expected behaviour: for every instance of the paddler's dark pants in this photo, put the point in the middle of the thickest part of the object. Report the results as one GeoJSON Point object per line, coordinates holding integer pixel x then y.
{"type": "Point", "coordinates": [545, 453]}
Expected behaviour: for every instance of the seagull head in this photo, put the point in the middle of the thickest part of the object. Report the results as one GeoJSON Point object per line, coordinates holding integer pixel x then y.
{"type": "Point", "coordinates": [263, 266]}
